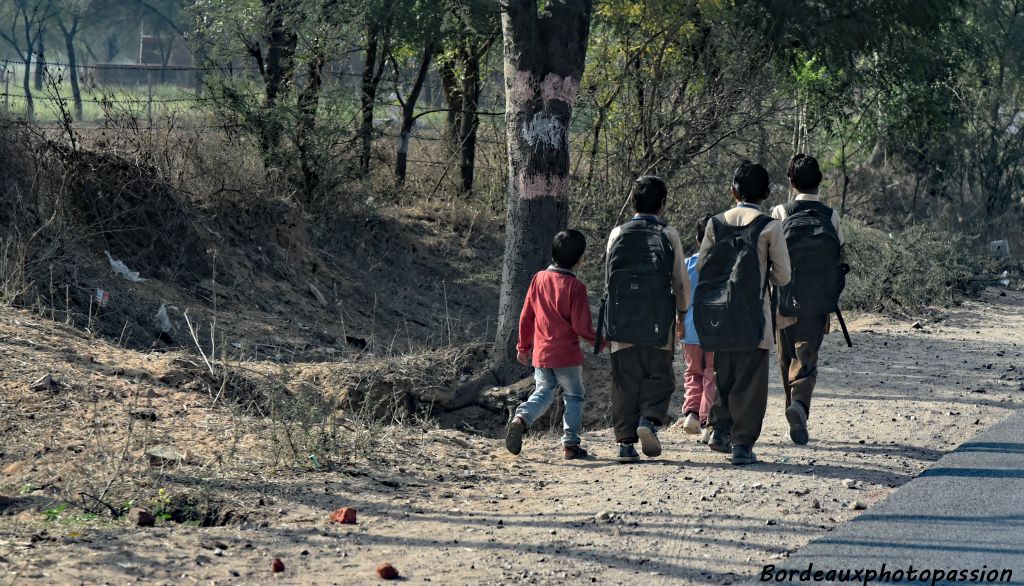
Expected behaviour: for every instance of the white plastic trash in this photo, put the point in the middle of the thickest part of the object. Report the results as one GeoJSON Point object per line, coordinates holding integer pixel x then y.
{"type": "Point", "coordinates": [123, 270]}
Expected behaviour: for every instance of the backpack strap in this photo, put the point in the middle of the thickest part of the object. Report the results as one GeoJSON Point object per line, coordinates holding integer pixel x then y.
{"type": "Point", "coordinates": [717, 225]}
{"type": "Point", "coordinates": [756, 228]}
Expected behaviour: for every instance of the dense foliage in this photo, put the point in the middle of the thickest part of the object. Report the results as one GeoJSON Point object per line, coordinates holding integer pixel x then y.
{"type": "Point", "coordinates": [915, 107]}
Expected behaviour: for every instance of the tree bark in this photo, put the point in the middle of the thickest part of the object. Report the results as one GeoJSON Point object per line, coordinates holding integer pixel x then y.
{"type": "Point", "coordinates": [41, 59]}
{"type": "Point", "coordinates": [544, 62]}
{"type": "Point", "coordinates": [367, 96]}
{"type": "Point", "coordinates": [378, 47]}
{"type": "Point", "coordinates": [453, 100]}
{"type": "Point", "coordinates": [308, 104]}
{"type": "Point", "coordinates": [278, 75]}
{"type": "Point", "coordinates": [409, 112]}
{"type": "Point", "coordinates": [69, 42]}
{"type": "Point", "coordinates": [469, 122]}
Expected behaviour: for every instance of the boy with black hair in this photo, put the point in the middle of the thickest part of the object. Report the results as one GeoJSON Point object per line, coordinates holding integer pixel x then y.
{"type": "Point", "coordinates": [742, 250]}
{"type": "Point", "coordinates": [818, 265]}
{"type": "Point", "coordinates": [648, 294]}
{"type": "Point", "coordinates": [699, 377]}
{"type": "Point", "coordinates": [556, 314]}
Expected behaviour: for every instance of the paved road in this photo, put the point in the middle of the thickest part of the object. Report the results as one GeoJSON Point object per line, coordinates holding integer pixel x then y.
{"type": "Point", "coordinates": [964, 513]}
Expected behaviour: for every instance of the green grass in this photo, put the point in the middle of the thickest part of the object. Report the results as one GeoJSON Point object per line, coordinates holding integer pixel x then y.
{"type": "Point", "coordinates": [121, 99]}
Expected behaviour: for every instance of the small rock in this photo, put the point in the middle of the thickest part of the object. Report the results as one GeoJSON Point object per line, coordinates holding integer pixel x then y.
{"type": "Point", "coordinates": [387, 572]}
{"type": "Point", "coordinates": [344, 516]}
{"type": "Point", "coordinates": [141, 517]}
{"type": "Point", "coordinates": [277, 566]}
{"type": "Point", "coordinates": [603, 516]}
{"type": "Point", "coordinates": [144, 415]}
{"type": "Point", "coordinates": [815, 504]}
{"type": "Point", "coordinates": [916, 325]}
{"type": "Point", "coordinates": [757, 485]}
{"type": "Point", "coordinates": [202, 560]}
{"type": "Point", "coordinates": [770, 522]}
{"type": "Point", "coordinates": [857, 506]}
{"type": "Point", "coordinates": [319, 296]}
{"type": "Point", "coordinates": [849, 483]}
{"type": "Point", "coordinates": [44, 383]}
{"type": "Point", "coordinates": [160, 456]}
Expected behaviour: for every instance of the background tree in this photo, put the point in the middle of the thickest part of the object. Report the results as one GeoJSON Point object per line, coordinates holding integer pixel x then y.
{"type": "Point", "coordinates": [69, 21]}
{"type": "Point", "coordinates": [22, 26]}
{"type": "Point", "coordinates": [473, 27]}
{"type": "Point", "coordinates": [422, 40]}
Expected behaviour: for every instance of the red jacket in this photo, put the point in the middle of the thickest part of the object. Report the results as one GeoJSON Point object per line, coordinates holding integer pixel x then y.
{"type": "Point", "coordinates": [556, 314]}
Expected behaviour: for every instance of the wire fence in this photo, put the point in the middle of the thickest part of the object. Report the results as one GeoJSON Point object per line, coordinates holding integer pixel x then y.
{"type": "Point", "coordinates": [331, 68]}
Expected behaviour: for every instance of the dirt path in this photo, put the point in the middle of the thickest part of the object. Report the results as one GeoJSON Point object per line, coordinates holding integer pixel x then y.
{"type": "Point", "coordinates": [456, 509]}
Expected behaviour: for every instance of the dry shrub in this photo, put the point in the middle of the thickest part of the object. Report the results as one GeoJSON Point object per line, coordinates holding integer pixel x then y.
{"type": "Point", "coordinates": [906, 272]}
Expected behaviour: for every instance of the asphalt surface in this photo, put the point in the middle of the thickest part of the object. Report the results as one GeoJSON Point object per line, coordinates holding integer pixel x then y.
{"type": "Point", "coordinates": [964, 515]}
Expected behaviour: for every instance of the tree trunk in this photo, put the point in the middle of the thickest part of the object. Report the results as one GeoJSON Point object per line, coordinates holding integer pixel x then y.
{"type": "Point", "coordinates": [367, 96]}
{"type": "Point", "coordinates": [69, 42]}
{"type": "Point", "coordinates": [26, 84]}
{"type": "Point", "coordinates": [544, 62]}
{"type": "Point", "coordinates": [281, 41]}
{"type": "Point", "coordinates": [409, 112]}
{"type": "Point", "coordinates": [470, 120]}
{"type": "Point", "coordinates": [308, 103]}
{"type": "Point", "coordinates": [41, 60]}
{"type": "Point", "coordinates": [378, 48]}
{"type": "Point", "coordinates": [453, 100]}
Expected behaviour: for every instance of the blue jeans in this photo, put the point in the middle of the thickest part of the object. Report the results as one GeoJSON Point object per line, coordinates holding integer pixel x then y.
{"type": "Point", "coordinates": [548, 380]}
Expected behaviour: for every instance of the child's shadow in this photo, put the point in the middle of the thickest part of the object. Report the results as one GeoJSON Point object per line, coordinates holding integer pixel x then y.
{"type": "Point", "coordinates": [594, 462]}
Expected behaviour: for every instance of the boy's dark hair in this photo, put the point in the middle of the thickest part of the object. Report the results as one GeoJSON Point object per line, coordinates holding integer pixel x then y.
{"type": "Point", "coordinates": [567, 248]}
{"type": "Point", "coordinates": [804, 172]}
{"type": "Point", "coordinates": [751, 182]}
{"type": "Point", "coordinates": [649, 194]}
{"type": "Point", "coordinates": [702, 226]}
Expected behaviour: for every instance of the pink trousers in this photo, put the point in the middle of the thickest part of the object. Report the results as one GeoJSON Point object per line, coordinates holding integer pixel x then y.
{"type": "Point", "coordinates": [699, 381]}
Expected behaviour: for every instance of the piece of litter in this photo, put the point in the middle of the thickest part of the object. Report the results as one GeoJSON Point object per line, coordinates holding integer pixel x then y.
{"type": "Point", "coordinates": [163, 323]}
{"type": "Point", "coordinates": [123, 270]}
{"type": "Point", "coordinates": [102, 297]}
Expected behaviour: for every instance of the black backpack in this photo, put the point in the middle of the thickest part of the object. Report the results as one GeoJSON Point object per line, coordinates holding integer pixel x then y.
{"type": "Point", "coordinates": [813, 243]}
{"type": "Point", "coordinates": [639, 306]}
{"type": "Point", "coordinates": [728, 306]}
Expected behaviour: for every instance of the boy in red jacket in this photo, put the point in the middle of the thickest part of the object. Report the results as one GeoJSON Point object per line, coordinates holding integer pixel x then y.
{"type": "Point", "coordinates": [556, 314]}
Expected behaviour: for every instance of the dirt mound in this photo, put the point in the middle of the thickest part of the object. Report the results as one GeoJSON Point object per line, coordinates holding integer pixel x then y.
{"type": "Point", "coordinates": [126, 208]}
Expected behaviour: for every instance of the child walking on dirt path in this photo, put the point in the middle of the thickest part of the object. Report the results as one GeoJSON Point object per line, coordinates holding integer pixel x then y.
{"type": "Point", "coordinates": [815, 241]}
{"type": "Point", "coordinates": [647, 294]}
{"type": "Point", "coordinates": [699, 376]}
{"type": "Point", "coordinates": [556, 314]}
{"type": "Point", "coordinates": [742, 249]}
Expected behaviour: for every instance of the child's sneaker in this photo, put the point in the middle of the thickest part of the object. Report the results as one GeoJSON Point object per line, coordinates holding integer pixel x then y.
{"type": "Point", "coordinates": [627, 453]}
{"type": "Point", "coordinates": [691, 424]}
{"type": "Point", "coordinates": [705, 435]}
{"type": "Point", "coordinates": [743, 455]}
{"type": "Point", "coordinates": [514, 435]}
{"type": "Point", "coordinates": [649, 442]}
{"type": "Point", "coordinates": [573, 452]}
{"type": "Point", "coordinates": [797, 417]}
{"type": "Point", "coordinates": [720, 441]}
